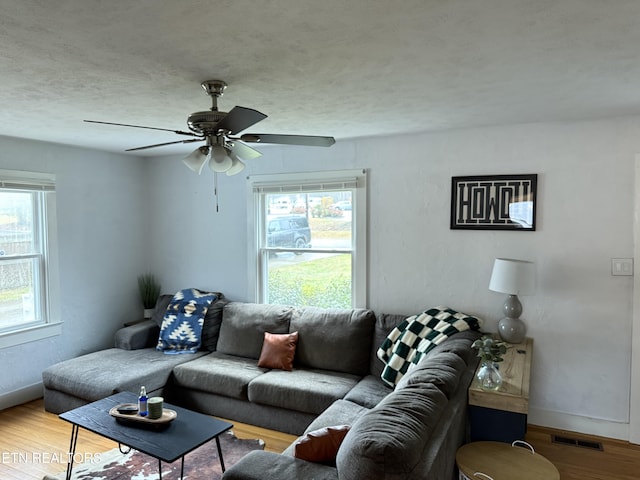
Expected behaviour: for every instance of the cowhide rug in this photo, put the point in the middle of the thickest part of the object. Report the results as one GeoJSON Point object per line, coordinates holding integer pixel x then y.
{"type": "Point", "coordinates": [202, 463]}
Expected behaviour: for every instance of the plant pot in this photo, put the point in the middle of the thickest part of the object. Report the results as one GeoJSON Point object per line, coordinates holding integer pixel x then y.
{"type": "Point", "coordinates": [489, 376]}
{"type": "Point", "coordinates": [148, 312]}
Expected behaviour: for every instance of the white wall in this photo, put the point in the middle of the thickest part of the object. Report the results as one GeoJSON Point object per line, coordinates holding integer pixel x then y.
{"type": "Point", "coordinates": [101, 229]}
{"type": "Point", "coordinates": [580, 317]}
{"type": "Point", "coordinates": [118, 215]}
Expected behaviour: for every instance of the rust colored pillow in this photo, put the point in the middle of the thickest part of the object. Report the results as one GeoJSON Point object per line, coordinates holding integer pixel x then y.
{"type": "Point", "coordinates": [321, 446]}
{"type": "Point", "coordinates": [278, 350]}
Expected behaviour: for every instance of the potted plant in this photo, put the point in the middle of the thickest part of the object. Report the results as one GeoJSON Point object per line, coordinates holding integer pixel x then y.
{"type": "Point", "coordinates": [490, 351]}
{"type": "Point", "coordinates": [149, 292]}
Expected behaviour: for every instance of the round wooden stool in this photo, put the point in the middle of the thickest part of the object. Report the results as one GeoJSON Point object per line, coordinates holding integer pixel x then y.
{"type": "Point", "coordinates": [501, 461]}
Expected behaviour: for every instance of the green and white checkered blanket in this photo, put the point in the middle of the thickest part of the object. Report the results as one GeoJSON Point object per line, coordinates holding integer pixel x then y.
{"type": "Point", "coordinates": [418, 334]}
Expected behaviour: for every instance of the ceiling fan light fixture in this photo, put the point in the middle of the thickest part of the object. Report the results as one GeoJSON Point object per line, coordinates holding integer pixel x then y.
{"type": "Point", "coordinates": [236, 167]}
{"type": "Point", "coordinates": [197, 159]}
{"type": "Point", "coordinates": [219, 159]}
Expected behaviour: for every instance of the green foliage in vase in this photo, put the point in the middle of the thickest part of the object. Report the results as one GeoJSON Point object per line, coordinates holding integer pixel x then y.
{"type": "Point", "coordinates": [490, 349]}
{"type": "Point", "coordinates": [149, 289]}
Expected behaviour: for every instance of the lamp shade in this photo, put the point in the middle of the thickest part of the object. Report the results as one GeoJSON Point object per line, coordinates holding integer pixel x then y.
{"type": "Point", "coordinates": [236, 167]}
{"type": "Point", "coordinates": [196, 159]}
{"type": "Point", "coordinates": [514, 277]}
{"type": "Point", "coordinates": [219, 160]}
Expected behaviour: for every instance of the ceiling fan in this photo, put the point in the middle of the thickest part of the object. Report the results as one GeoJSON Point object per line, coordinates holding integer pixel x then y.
{"type": "Point", "coordinates": [223, 150]}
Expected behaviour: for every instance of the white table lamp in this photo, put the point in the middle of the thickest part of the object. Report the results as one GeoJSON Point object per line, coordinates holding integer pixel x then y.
{"type": "Point", "coordinates": [513, 277]}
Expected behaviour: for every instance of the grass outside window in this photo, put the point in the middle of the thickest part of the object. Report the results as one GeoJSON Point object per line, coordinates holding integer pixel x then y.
{"type": "Point", "coordinates": [323, 282]}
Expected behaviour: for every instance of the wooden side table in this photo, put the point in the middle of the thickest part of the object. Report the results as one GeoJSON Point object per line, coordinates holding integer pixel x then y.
{"type": "Point", "coordinates": [501, 415]}
{"type": "Point", "coordinates": [500, 461]}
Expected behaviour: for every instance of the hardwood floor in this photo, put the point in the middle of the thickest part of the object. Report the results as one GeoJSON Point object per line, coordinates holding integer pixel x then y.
{"type": "Point", "coordinates": [618, 460]}
{"type": "Point", "coordinates": [32, 443]}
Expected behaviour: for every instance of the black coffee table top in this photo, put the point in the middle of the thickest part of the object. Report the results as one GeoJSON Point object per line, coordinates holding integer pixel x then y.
{"type": "Point", "coordinates": [187, 432]}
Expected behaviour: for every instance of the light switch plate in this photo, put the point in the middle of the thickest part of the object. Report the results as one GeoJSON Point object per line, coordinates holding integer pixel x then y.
{"type": "Point", "coordinates": [622, 266]}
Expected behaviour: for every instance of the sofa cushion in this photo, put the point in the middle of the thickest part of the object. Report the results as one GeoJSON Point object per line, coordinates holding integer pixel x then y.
{"type": "Point", "coordinates": [340, 412]}
{"type": "Point", "coordinates": [212, 323]}
{"type": "Point", "coordinates": [219, 373]}
{"type": "Point", "coordinates": [244, 324]}
{"type": "Point", "coordinates": [442, 370]}
{"type": "Point", "coordinates": [99, 374]}
{"type": "Point", "coordinates": [212, 319]}
{"type": "Point", "coordinates": [320, 446]}
{"type": "Point", "coordinates": [261, 465]}
{"type": "Point", "coordinates": [181, 330]}
{"type": "Point", "coordinates": [278, 350]}
{"type": "Point", "coordinates": [369, 392]}
{"type": "Point", "coordinates": [333, 339]}
{"type": "Point", "coordinates": [309, 391]}
{"type": "Point", "coordinates": [389, 440]}
{"type": "Point", "coordinates": [161, 308]}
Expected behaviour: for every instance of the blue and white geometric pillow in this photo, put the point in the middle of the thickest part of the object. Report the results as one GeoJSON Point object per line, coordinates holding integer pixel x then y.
{"type": "Point", "coordinates": [181, 328]}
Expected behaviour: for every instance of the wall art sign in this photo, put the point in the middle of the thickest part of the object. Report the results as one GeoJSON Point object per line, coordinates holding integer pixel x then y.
{"type": "Point", "coordinates": [494, 202]}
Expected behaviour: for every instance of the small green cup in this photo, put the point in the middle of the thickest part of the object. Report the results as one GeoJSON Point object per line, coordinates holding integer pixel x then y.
{"type": "Point", "coordinates": [154, 404]}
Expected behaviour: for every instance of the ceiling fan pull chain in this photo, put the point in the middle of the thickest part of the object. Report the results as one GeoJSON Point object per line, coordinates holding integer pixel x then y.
{"type": "Point", "coordinates": [215, 189]}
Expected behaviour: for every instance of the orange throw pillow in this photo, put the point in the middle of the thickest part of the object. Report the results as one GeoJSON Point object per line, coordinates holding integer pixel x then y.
{"type": "Point", "coordinates": [278, 350]}
{"type": "Point", "coordinates": [321, 446]}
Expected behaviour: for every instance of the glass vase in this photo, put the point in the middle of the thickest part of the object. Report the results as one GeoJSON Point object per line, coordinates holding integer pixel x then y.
{"type": "Point", "coordinates": [489, 376]}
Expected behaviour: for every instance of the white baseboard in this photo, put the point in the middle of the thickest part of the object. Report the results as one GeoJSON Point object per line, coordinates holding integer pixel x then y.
{"type": "Point", "coordinates": [578, 424]}
{"type": "Point", "coordinates": [23, 395]}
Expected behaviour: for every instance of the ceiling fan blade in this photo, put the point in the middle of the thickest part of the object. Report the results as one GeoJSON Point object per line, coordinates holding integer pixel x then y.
{"type": "Point", "coordinates": [240, 118]}
{"type": "Point", "coordinates": [179, 132]}
{"type": "Point", "coordinates": [306, 140]}
{"type": "Point", "coordinates": [243, 151]}
{"type": "Point", "coordinates": [163, 144]}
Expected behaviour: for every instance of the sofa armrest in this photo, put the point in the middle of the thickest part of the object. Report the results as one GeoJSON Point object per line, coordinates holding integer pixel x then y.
{"type": "Point", "coordinates": [258, 465]}
{"type": "Point", "coordinates": [141, 335]}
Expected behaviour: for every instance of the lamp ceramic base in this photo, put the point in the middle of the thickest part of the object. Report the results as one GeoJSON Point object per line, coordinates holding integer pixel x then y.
{"type": "Point", "coordinates": [512, 330]}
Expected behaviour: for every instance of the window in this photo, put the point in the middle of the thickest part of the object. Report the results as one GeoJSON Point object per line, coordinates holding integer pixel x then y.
{"type": "Point", "coordinates": [27, 254]}
{"type": "Point", "coordinates": [309, 239]}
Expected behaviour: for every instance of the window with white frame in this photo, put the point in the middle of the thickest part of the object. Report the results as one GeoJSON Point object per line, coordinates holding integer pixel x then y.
{"type": "Point", "coordinates": [27, 256]}
{"type": "Point", "coordinates": [309, 239]}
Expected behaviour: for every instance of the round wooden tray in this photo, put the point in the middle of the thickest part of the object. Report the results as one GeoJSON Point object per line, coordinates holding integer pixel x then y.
{"type": "Point", "coordinates": [168, 415]}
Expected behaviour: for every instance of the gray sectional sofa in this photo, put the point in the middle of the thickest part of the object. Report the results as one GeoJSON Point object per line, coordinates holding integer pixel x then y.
{"type": "Point", "coordinates": [409, 432]}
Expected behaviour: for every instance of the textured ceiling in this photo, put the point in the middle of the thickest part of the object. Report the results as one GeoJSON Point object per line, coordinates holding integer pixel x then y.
{"type": "Point", "coordinates": [347, 68]}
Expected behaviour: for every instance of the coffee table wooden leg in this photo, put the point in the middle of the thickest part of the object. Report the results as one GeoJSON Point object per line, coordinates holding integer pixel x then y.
{"type": "Point", "coordinates": [72, 449]}
{"type": "Point", "coordinates": [220, 454]}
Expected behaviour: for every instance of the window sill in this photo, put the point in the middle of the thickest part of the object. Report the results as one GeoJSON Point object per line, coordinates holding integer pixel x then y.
{"type": "Point", "coordinates": [31, 334]}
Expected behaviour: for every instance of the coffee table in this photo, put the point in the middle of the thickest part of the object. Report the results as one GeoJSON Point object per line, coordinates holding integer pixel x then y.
{"type": "Point", "coordinates": [187, 432]}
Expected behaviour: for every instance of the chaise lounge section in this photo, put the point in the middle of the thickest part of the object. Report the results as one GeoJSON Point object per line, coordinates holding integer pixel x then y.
{"type": "Point", "coordinates": [134, 361]}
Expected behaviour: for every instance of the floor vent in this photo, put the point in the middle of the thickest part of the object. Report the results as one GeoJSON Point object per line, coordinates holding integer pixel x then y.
{"type": "Point", "coordinates": [576, 442]}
